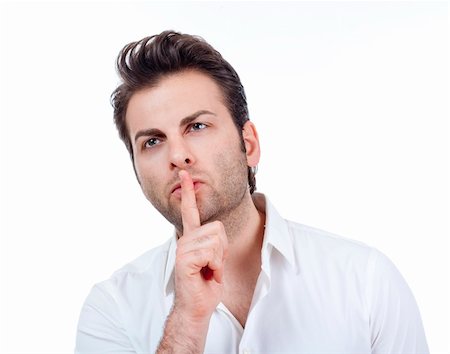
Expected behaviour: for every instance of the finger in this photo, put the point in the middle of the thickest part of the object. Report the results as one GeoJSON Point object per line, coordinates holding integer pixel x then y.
{"type": "Point", "coordinates": [207, 273]}
{"type": "Point", "coordinates": [205, 256]}
{"type": "Point", "coordinates": [216, 274]}
{"type": "Point", "coordinates": [211, 235]}
{"type": "Point", "coordinates": [206, 262]}
{"type": "Point", "coordinates": [194, 242]}
{"type": "Point", "coordinates": [196, 261]}
{"type": "Point", "coordinates": [214, 270]}
{"type": "Point", "coordinates": [189, 210]}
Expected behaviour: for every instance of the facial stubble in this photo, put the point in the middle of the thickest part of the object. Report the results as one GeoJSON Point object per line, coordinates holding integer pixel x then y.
{"type": "Point", "coordinates": [220, 196]}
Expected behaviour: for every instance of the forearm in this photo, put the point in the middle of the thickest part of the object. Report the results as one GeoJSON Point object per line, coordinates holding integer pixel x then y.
{"type": "Point", "coordinates": [196, 295]}
{"type": "Point", "coordinates": [182, 335]}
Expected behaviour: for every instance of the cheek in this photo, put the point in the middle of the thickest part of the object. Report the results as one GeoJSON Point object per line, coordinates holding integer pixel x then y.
{"type": "Point", "coordinates": [231, 164]}
{"type": "Point", "coordinates": [139, 171]}
{"type": "Point", "coordinates": [149, 178]}
{"type": "Point", "coordinates": [144, 166]}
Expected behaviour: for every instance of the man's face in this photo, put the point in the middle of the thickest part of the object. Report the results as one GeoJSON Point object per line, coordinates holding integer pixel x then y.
{"type": "Point", "coordinates": [182, 123]}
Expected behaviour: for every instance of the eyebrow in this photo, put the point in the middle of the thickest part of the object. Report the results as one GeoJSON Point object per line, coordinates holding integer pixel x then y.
{"type": "Point", "coordinates": [185, 121]}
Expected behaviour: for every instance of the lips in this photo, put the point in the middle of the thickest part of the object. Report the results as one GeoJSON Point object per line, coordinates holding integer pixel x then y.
{"type": "Point", "coordinates": [177, 187]}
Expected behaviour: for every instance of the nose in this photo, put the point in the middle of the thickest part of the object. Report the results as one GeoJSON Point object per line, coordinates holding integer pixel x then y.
{"type": "Point", "coordinates": [180, 156]}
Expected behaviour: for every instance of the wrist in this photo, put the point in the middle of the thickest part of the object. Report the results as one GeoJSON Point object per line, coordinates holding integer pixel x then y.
{"type": "Point", "coordinates": [184, 334]}
{"type": "Point", "coordinates": [196, 321]}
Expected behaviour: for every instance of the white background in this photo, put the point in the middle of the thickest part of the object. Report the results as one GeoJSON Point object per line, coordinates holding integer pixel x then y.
{"type": "Point", "coordinates": [351, 103]}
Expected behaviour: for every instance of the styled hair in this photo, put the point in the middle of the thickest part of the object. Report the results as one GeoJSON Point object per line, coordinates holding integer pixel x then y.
{"type": "Point", "coordinates": [144, 63]}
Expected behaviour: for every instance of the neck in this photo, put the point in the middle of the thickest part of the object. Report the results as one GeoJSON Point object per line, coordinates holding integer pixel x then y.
{"type": "Point", "coordinates": [245, 229]}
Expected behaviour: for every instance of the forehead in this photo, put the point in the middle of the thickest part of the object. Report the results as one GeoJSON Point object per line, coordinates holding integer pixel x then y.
{"type": "Point", "coordinates": [173, 98]}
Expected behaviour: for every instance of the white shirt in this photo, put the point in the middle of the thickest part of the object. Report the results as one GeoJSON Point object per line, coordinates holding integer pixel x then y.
{"type": "Point", "coordinates": [316, 293]}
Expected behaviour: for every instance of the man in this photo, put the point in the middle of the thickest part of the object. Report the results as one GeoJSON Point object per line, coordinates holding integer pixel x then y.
{"type": "Point", "coordinates": [235, 277]}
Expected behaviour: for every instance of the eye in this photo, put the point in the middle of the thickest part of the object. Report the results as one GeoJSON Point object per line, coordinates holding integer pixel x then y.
{"type": "Point", "coordinates": [151, 143]}
{"type": "Point", "coordinates": [198, 126]}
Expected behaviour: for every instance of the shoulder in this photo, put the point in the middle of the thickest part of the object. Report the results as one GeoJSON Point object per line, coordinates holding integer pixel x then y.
{"type": "Point", "coordinates": [322, 254]}
{"type": "Point", "coordinates": [150, 260]}
{"type": "Point", "coordinates": [329, 248]}
{"type": "Point", "coordinates": [352, 270]}
{"type": "Point", "coordinates": [115, 306]}
{"type": "Point", "coordinates": [147, 270]}
{"type": "Point", "coordinates": [327, 245]}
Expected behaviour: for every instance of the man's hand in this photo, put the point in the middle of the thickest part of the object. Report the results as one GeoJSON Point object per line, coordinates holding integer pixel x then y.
{"type": "Point", "coordinates": [200, 256]}
{"type": "Point", "coordinates": [199, 269]}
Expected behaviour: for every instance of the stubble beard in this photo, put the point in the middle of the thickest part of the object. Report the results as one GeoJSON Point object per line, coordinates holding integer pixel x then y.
{"type": "Point", "coordinates": [220, 201]}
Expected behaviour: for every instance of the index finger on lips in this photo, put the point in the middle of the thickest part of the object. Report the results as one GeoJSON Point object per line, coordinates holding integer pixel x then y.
{"type": "Point", "coordinates": [189, 210]}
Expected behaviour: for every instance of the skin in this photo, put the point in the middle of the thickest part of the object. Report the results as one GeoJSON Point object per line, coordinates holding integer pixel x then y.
{"type": "Point", "coordinates": [191, 167]}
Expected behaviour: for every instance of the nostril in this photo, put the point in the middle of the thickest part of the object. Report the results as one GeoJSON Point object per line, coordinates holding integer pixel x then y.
{"type": "Point", "coordinates": [187, 161]}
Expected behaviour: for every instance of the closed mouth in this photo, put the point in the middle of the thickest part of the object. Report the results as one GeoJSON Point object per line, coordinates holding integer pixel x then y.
{"type": "Point", "coordinates": [178, 185]}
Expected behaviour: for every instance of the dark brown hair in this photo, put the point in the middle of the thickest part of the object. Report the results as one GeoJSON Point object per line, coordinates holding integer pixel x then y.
{"type": "Point", "coordinates": [144, 63]}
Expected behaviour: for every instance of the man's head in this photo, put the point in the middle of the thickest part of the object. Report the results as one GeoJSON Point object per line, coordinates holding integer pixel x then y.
{"type": "Point", "coordinates": [143, 64]}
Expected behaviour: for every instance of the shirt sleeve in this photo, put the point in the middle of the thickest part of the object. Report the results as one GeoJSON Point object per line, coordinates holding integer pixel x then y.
{"type": "Point", "coordinates": [100, 329]}
{"type": "Point", "coordinates": [394, 318]}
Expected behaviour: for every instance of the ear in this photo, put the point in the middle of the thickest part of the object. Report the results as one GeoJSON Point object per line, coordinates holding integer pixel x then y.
{"type": "Point", "coordinates": [251, 142]}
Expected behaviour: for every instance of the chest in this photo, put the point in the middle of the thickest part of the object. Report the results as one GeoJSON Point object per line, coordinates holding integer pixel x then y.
{"type": "Point", "coordinates": [238, 294]}
{"type": "Point", "coordinates": [279, 323]}
{"type": "Point", "coordinates": [285, 314]}
{"type": "Point", "coordinates": [238, 302]}
{"type": "Point", "coordinates": [277, 312]}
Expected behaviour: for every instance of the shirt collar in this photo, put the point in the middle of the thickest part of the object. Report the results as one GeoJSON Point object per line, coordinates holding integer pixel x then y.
{"type": "Point", "coordinates": [169, 276]}
{"type": "Point", "coordinates": [276, 236]}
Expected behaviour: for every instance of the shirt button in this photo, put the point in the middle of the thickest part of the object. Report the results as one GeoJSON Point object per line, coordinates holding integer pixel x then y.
{"type": "Point", "coordinates": [246, 351]}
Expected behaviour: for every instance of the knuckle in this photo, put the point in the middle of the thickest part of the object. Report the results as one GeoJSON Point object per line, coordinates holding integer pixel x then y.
{"type": "Point", "coordinates": [217, 242]}
{"type": "Point", "coordinates": [202, 254]}
{"type": "Point", "coordinates": [218, 225]}
{"type": "Point", "coordinates": [203, 239]}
